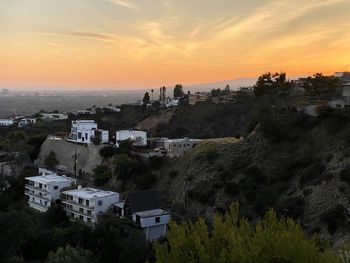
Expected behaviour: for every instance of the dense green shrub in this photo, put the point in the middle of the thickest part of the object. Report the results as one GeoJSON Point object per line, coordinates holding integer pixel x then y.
{"type": "Point", "coordinates": [51, 160]}
{"type": "Point", "coordinates": [107, 151]}
{"type": "Point", "coordinates": [232, 189]}
{"type": "Point", "coordinates": [345, 175]}
{"type": "Point", "coordinates": [235, 240]}
{"type": "Point", "coordinates": [102, 174]}
{"type": "Point", "coordinates": [312, 173]}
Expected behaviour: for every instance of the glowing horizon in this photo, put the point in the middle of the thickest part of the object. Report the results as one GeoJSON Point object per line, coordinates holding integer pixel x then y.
{"type": "Point", "coordinates": [137, 44]}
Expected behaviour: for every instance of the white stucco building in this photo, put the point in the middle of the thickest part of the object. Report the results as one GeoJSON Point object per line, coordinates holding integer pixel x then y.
{"type": "Point", "coordinates": [6, 122]}
{"type": "Point", "coordinates": [25, 122]}
{"type": "Point", "coordinates": [139, 138]}
{"type": "Point", "coordinates": [44, 189]}
{"type": "Point", "coordinates": [54, 116]}
{"type": "Point", "coordinates": [144, 209]}
{"type": "Point", "coordinates": [178, 147]}
{"type": "Point", "coordinates": [86, 204]}
{"type": "Point", "coordinates": [83, 131]}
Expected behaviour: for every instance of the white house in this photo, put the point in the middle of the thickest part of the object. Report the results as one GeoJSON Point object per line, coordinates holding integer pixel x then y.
{"type": "Point", "coordinates": [83, 112]}
{"type": "Point", "coordinates": [144, 209]}
{"type": "Point", "coordinates": [44, 189]}
{"type": "Point", "coordinates": [83, 131]}
{"type": "Point", "coordinates": [178, 147]}
{"type": "Point", "coordinates": [26, 122]}
{"type": "Point", "coordinates": [6, 122]}
{"type": "Point", "coordinates": [86, 204]}
{"type": "Point", "coordinates": [139, 138]}
{"type": "Point", "coordinates": [112, 108]}
{"type": "Point", "coordinates": [171, 102]}
{"type": "Point", "coordinates": [54, 116]}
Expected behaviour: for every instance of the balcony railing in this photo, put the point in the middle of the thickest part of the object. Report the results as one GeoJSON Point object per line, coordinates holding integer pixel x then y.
{"type": "Point", "coordinates": [46, 198]}
{"type": "Point", "coordinates": [78, 212]}
{"type": "Point", "coordinates": [37, 204]}
{"type": "Point", "coordinates": [32, 187]}
{"type": "Point", "coordinates": [71, 202]}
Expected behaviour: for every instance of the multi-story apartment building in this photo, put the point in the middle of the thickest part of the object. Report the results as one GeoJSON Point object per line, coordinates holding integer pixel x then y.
{"type": "Point", "coordinates": [86, 204]}
{"type": "Point", "coordinates": [144, 209]}
{"type": "Point", "coordinates": [84, 131]}
{"type": "Point", "coordinates": [44, 189]}
{"type": "Point", "coordinates": [138, 138]}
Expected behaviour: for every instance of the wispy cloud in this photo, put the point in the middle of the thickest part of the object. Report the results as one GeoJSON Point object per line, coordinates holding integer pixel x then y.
{"type": "Point", "coordinates": [89, 34]}
{"type": "Point", "coordinates": [125, 3]}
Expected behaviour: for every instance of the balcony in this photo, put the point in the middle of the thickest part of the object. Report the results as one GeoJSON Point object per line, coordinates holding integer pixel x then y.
{"type": "Point", "coordinates": [32, 187]}
{"type": "Point", "coordinates": [46, 198]}
{"type": "Point", "coordinates": [78, 212]}
{"type": "Point", "coordinates": [38, 205]}
{"type": "Point", "coordinates": [71, 202]}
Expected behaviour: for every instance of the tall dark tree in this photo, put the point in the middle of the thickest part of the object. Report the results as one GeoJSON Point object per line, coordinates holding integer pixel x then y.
{"type": "Point", "coordinates": [322, 86]}
{"type": "Point", "coordinates": [270, 84]}
{"type": "Point", "coordinates": [178, 91]}
{"type": "Point", "coordinates": [146, 98]}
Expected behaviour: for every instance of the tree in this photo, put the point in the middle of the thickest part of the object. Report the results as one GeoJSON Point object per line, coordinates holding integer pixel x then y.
{"type": "Point", "coordinates": [124, 166]}
{"type": "Point", "coordinates": [69, 255]}
{"type": "Point", "coordinates": [272, 84]}
{"type": "Point", "coordinates": [152, 91]}
{"type": "Point", "coordinates": [51, 160]}
{"type": "Point", "coordinates": [118, 241]}
{"type": "Point", "coordinates": [178, 91]}
{"type": "Point", "coordinates": [234, 240]}
{"type": "Point", "coordinates": [146, 98]}
{"type": "Point", "coordinates": [216, 92]}
{"type": "Point", "coordinates": [102, 174]}
{"type": "Point", "coordinates": [227, 89]}
{"type": "Point", "coordinates": [107, 152]}
{"type": "Point", "coordinates": [321, 86]}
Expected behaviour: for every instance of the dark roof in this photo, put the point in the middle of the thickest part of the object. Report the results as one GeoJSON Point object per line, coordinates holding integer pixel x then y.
{"type": "Point", "coordinates": [144, 200]}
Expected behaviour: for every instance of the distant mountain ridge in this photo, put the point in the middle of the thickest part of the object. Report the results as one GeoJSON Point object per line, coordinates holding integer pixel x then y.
{"type": "Point", "coordinates": [233, 83]}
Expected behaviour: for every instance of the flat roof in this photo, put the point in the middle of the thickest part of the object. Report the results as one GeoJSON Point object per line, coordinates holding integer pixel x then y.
{"type": "Point", "coordinates": [89, 193]}
{"type": "Point", "coordinates": [84, 121]}
{"type": "Point", "coordinates": [150, 213]}
{"type": "Point", "coordinates": [182, 140]}
{"type": "Point", "coordinates": [49, 178]}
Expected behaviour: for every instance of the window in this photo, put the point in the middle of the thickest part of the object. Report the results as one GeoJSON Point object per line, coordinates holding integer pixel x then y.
{"type": "Point", "coordinates": [87, 203]}
{"type": "Point", "coordinates": [89, 212]}
{"type": "Point", "coordinates": [89, 220]}
{"type": "Point", "coordinates": [80, 201]}
{"type": "Point", "coordinates": [55, 187]}
{"type": "Point", "coordinates": [157, 219]}
{"type": "Point", "coordinates": [86, 136]}
{"type": "Point", "coordinates": [79, 135]}
{"type": "Point", "coordinates": [81, 218]}
{"type": "Point", "coordinates": [137, 219]}
{"type": "Point", "coordinates": [81, 210]}
{"type": "Point", "coordinates": [99, 203]}
{"type": "Point", "coordinates": [40, 186]}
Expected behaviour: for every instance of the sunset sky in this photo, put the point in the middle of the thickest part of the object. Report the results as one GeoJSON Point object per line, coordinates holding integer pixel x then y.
{"type": "Point", "coordinates": [145, 43]}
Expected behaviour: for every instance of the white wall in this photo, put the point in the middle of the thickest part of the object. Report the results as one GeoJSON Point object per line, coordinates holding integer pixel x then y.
{"type": "Point", "coordinates": [150, 221]}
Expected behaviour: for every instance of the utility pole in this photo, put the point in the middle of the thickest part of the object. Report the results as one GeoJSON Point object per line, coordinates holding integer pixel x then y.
{"type": "Point", "coordinates": [185, 195]}
{"type": "Point", "coordinates": [75, 158]}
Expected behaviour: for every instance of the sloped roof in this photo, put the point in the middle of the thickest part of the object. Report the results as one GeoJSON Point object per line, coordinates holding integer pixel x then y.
{"type": "Point", "coordinates": [144, 200]}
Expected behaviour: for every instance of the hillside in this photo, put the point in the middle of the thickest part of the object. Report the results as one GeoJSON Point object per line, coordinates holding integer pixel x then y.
{"type": "Point", "coordinates": [203, 120]}
{"type": "Point", "coordinates": [87, 156]}
{"type": "Point", "coordinates": [303, 173]}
